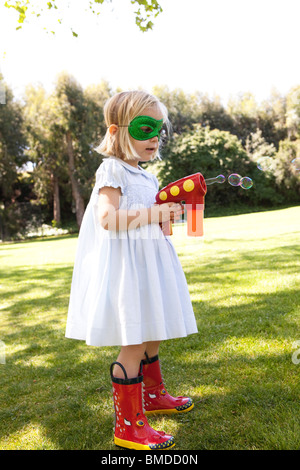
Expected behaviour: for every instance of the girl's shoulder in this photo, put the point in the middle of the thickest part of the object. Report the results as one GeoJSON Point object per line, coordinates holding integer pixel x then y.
{"type": "Point", "coordinates": [111, 173]}
{"type": "Point", "coordinates": [116, 170]}
{"type": "Point", "coordinates": [110, 163]}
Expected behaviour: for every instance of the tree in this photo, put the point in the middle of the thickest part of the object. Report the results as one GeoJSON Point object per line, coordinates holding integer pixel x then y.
{"type": "Point", "coordinates": [247, 116]}
{"type": "Point", "coordinates": [183, 108]}
{"type": "Point", "coordinates": [12, 145]}
{"type": "Point", "coordinates": [80, 124]}
{"type": "Point", "coordinates": [147, 10]}
{"type": "Point", "coordinates": [93, 129]}
{"type": "Point", "coordinates": [209, 152]}
{"type": "Point", "coordinates": [257, 147]}
{"type": "Point", "coordinates": [214, 115]}
{"type": "Point", "coordinates": [272, 118]}
{"type": "Point", "coordinates": [243, 109]}
{"type": "Point", "coordinates": [186, 109]}
{"type": "Point", "coordinates": [214, 152]}
{"type": "Point", "coordinates": [63, 129]}
{"type": "Point", "coordinates": [45, 147]}
{"type": "Point", "coordinates": [288, 175]}
{"type": "Point", "coordinates": [70, 109]}
{"type": "Point", "coordinates": [293, 112]}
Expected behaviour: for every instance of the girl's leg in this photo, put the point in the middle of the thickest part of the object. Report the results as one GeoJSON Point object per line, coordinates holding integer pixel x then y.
{"type": "Point", "coordinates": [152, 348]}
{"type": "Point", "coordinates": [130, 357]}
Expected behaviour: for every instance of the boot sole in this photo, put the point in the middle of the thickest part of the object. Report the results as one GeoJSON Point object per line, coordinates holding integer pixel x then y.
{"type": "Point", "coordinates": [135, 446]}
{"type": "Point", "coordinates": [169, 411]}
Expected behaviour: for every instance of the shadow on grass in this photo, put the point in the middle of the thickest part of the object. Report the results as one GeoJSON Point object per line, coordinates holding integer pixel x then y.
{"type": "Point", "coordinates": [19, 244]}
{"type": "Point", "coordinates": [286, 261]}
{"type": "Point", "coordinates": [238, 369]}
{"type": "Point", "coordinates": [51, 282]}
{"type": "Point", "coordinates": [59, 386]}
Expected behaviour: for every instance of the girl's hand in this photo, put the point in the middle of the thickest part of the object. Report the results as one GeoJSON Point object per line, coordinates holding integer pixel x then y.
{"type": "Point", "coordinates": [167, 212]}
{"type": "Point", "coordinates": [112, 218]}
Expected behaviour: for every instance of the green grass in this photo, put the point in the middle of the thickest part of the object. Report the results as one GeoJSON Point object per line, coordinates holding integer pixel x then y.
{"type": "Point", "coordinates": [244, 279]}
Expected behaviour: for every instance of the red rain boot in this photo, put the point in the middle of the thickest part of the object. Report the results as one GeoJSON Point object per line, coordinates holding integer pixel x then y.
{"type": "Point", "coordinates": [156, 398]}
{"type": "Point", "coordinates": [131, 426]}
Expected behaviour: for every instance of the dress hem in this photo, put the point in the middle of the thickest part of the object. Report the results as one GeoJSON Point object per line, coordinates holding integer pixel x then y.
{"type": "Point", "coordinates": [74, 332]}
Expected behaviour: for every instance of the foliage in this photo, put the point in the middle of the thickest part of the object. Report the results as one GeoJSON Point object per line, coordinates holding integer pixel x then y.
{"type": "Point", "coordinates": [203, 150]}
{"type": "Point", "coordinates": [56, 135]}
{"type": "Point", "coordinates": [19, 218]}
{"type": "Point", "coordinates": [287, 175]}
{"type": "Point", "coordinates": [12, 145]}
{"type": "Point", "coordinates": [45, 148]}
{"type": "Point", "coordinates": [147, 10]}
{"type": "Point", "coordinates": [68, 111]}
{"type": "Point", "coordinates": [257, 147]}
{"type": "Point", "coordinates": [183, 108]}
{"type": "Point", "coordinates": [248, 116]}
{"type": "Point", "coordinates": [214, 152]}
{"type": "Point", "coordinates": [150, 9]}
{"type": "Point", "coordinates": [241, 117]}
{"type": "Point", "coordinates": [293, 112]}
{"type": "Point", "coordinates": [78, 126]}
{"type": "Point", "coordinates": [271, 118]}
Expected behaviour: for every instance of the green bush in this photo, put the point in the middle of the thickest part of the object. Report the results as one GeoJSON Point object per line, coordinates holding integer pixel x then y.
{"type": "Point", "coordinates": [214, 152]}
{"type": "Point", "coordinates": [19, 218]}
{"type": "Point", "coordinates": [287, 176]}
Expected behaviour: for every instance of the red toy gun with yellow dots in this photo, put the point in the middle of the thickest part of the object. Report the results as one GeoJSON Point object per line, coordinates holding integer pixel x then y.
{"type": "Point", "coordinates": [191, 190]}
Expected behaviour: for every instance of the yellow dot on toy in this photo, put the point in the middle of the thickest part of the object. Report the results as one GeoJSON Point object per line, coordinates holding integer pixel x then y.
{"type": "Point", "coordinates": [174, 190]}
{"type": "Point", "coordinates": [163, 196]}
{"type": "Point", "coordinates": [188, 185]}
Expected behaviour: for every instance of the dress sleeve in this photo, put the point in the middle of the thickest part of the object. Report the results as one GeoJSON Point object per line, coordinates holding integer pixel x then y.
{"type": "Point", "coordinates": [111, 173]}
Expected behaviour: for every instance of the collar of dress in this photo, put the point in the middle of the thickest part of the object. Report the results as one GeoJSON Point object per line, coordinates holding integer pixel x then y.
{"type": "Point", "coordinates": [139, 169]}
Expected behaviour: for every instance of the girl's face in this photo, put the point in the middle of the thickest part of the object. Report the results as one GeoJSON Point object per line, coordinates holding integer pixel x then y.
{"type": "Point", "coordinates": [146, 149]}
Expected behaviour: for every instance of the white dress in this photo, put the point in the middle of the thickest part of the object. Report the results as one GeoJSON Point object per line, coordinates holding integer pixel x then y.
{"type": "Point", "coordinates": [128, 287]}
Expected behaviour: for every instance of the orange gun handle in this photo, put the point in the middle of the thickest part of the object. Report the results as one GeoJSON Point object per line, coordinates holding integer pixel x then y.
{"type": "Point", "coordinates": [194, 222]}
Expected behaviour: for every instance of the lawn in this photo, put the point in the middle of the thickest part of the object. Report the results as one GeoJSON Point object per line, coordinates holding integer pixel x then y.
{"type": "Point", "coordinates": [242, 368]}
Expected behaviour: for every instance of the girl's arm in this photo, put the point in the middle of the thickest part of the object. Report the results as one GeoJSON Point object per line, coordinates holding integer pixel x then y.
{"type": "Point", "coordinates": [112, 218]}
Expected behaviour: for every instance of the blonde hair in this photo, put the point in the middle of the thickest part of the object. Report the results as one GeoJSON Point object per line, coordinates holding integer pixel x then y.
{"type": "Point", "coordinates": [121, 109]}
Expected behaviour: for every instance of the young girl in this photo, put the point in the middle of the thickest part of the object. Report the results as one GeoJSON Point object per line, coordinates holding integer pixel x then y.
{"type": "Point", "coordinates": [128, 286]}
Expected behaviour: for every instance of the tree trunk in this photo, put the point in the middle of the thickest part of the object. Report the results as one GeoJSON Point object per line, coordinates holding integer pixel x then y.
{"type": "Point", "coordinates": [79, 202]}
{"type": "Point", "coordinates": [56, 201]}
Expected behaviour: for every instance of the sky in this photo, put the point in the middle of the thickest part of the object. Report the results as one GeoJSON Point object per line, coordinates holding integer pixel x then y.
{"type": "Point", "coordinates": [215, 47]}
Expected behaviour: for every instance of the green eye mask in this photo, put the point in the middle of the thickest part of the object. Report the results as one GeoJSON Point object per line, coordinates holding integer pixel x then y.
{"type": "Point", "coordinates": [145, 127]}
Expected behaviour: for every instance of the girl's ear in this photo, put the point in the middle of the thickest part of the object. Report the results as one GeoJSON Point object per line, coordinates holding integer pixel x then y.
{"type": "Point", "coordinates": [113, 128]}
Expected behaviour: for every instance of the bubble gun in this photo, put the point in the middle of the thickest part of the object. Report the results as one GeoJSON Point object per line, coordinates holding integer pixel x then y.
{"type": "Point", "coordinates": [191, 190]}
